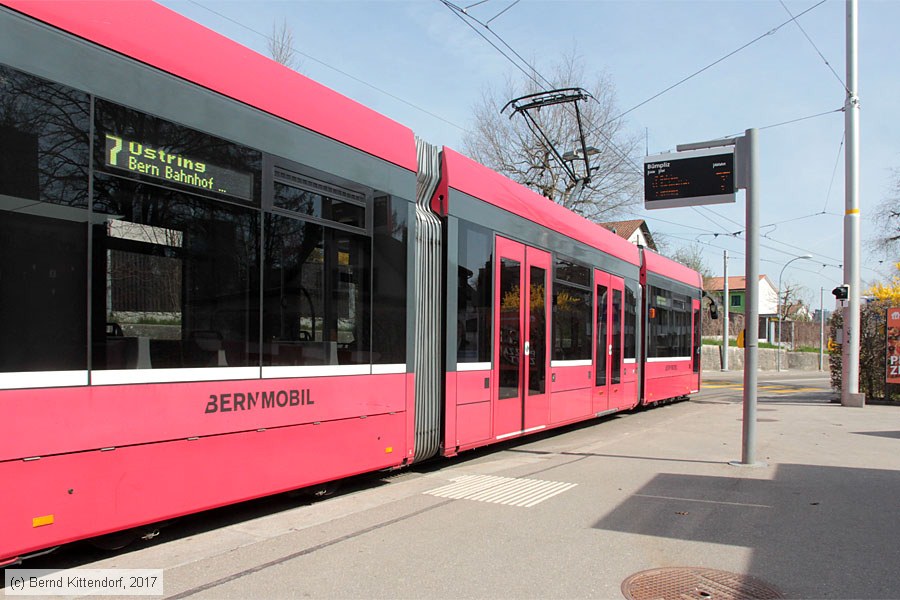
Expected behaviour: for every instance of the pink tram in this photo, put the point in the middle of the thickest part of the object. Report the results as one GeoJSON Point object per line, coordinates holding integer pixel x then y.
{"type": "Point", "coordinates": [221, 280]}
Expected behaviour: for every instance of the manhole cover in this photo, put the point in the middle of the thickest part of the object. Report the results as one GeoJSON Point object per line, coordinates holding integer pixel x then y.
{"type": "Point", "coordinates": [684, 583]}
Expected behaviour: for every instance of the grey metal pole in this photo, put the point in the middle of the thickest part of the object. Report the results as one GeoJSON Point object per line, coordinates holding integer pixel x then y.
{"type": "Point", "coordinates": [778, 316]}
{"type": "Point", "coordinates": [779, 311]}
{"type": "Point", "coordinates": [821, 329]}
{"type": "Point", "coordinates": [751, 322]}
{"type": "Point", "coordinates": [725, 304]}
{"type": "Point", "coordinates": [850, 348]}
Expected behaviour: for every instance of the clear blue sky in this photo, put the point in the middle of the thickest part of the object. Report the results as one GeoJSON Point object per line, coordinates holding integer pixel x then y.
{"type": "Point", "coordinates": [420, 52]}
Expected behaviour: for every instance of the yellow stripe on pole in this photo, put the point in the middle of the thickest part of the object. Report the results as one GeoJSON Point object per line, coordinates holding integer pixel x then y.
{"type": "Point", "coordinates": [852, 211]}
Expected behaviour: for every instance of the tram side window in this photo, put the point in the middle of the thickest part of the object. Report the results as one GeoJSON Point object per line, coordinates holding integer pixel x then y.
{"type": "Point", "coordinates": [572, 309]}
{"type": "Point", "coordinates": [175, 279]}
{"type": "Point", "coordinates": [669, 324]}
{"type": "Point", "coordinates": [43, 306]}
{"type": "Point", "coordinates": [176, 259]}
{"type": "Point", "coordinates": [389, 247]}
{"type": "Point", "coordinates": [630, 321]}
{"type": "Point", "coordinates": [44, 144]}
{"type": "Point", "coordinates": [474, 299]}
{"type": "Point", "coordinates": [44, 152]}
{"type": "Point", "coordinates": [573, 273]}
{"type": "Point", "coordinates": [316, 294]}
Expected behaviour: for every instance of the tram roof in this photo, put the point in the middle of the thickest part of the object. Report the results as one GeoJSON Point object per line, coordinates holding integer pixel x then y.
{"type": "Point", "coordinates": [473, 178]}
{"type": "Point", "coordinates": [659, 264]}
{"type": "Point", "coordinates": [161, 38]}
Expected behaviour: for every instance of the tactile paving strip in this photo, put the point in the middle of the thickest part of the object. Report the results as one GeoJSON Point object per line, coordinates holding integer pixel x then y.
{"type": "Point", "coordinates": [510, 491]}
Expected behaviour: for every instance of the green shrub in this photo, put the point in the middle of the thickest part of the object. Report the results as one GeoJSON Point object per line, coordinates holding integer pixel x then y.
{"type": "Point", "coordinates": [872, 351]}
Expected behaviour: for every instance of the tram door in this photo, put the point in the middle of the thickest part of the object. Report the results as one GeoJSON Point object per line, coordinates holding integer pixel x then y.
{"type": "Point", "coordinates": [696, 345]}
{"type": "Point", "coordinates": [609, 391]}
{"type": "Point", "coordinates": [521, 354]}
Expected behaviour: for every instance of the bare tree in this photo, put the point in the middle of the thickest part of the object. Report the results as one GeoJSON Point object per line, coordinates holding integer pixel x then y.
{"type": "Point", "coordinates": [791, 302]}
{"type": "Point", "coordinates": [281, 45]}
{"type": "Point", "coordinates": [663, 243]}
{"type": "Point", "coordinates": [508, 146]}
{"type": "Point", "coordinates": [692, 257]}
{"type": "Point", "coordinates": [887, 215]}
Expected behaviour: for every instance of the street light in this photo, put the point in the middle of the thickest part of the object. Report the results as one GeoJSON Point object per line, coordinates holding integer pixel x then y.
{"type": "Point", "coordinates": [578, 153]}
{"type": "Point", "coordinates": [778, 308]}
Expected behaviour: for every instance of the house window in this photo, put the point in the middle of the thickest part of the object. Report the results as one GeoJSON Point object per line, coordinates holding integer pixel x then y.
{"type": "Point", "coordinates": [735, 300]}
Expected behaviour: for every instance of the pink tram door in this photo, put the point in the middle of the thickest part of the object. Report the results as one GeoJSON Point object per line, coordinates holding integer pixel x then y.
{"type": "Point", "coordinates": [611, 374]}
{"type": "Point", "coordinates": [696, 346]}
{"type": "Point", "coordinates": [521, 350]}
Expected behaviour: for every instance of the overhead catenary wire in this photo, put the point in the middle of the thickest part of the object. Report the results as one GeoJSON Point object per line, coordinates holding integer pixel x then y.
{"type": "Point", "coordinates": [709, 231]}
{"type": "Point", "coordinates": [488, 22]}
{"type": "Point", "coordinates": [696, 210]}
{"type": "Point", "coordinates": [739, 234]}
{"type": "Point", "coordinates": [819, 52]}
{"type": "Point", "coordinates": [808, 216]}
{"type": "Point", "coordinates": [730, 220]}
{"type": "Point", "coordinates": [335, 69]}
{"type": "Point", "coordinates": [834, 170]}
{"type": "Point", "coordinates": [829, 261]}
{"type": "Point", "coordinates": [714, 63]}
{"type": "Point", "coordinates": [738, 253]}
{"type": "Point", "coordinates": [464, 16]}
{"type": "Point", "coordinates": [532, 75]}
{"type": "Point", "coordinates": [768, 236]}
{"type": "Point", "coordinates": [796, 249]}
{"type": "Point", "coordinates": [476, 4]}
{"type": "Point", "coordinates": [732, 251]}
{"type": "Point", "coordinates": [791, 122]}
{"type": "Point", "coordinates": [456, 9]}
{"type": "Point", "coordinates": [775, 223]}
{"type": "Point", "coordinates": [824, 210]}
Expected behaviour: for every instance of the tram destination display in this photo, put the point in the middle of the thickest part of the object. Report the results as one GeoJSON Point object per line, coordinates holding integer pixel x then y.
{"type": "Point", "coordinates": [689, 178]}
{"type": "Point", "coordinates": [141, 158]}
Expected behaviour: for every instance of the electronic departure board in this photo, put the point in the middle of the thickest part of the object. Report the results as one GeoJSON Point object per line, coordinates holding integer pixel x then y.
{"type": "Point", "coordinates": [689, 178]}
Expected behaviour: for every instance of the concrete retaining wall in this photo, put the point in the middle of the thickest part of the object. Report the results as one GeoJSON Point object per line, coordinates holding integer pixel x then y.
{"type": "Point", "coordinates": [804, 361]}
{"type": "Point", "coordinates": [711, 359]}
